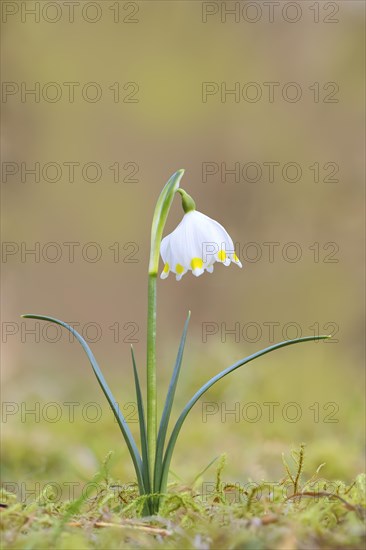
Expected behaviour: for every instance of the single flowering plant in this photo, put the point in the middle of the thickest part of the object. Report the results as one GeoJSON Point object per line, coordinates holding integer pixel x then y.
{"type": "Point", "coordinates": [196, 244]}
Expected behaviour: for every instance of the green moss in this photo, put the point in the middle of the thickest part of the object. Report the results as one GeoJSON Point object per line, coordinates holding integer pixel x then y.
{"type": "Point", "coordinates": [293, 512]}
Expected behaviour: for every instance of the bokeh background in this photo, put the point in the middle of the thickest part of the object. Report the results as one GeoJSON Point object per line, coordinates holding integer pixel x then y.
{"type": "Point", "coordinates": [168, 50]}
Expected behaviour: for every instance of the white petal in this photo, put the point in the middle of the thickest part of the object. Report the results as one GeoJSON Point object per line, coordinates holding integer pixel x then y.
{"type": "Point", "coordinates": [236, 260]}
{"type": "Point", "coordinates": [164, 274]}
{"type": "Point", "coordinates": [195, 245]}
{"type": "Point", "coordinates": [198, 271]}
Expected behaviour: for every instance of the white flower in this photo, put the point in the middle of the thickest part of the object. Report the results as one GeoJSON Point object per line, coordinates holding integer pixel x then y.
{"type": "Point", "coordinates": [196, 244]}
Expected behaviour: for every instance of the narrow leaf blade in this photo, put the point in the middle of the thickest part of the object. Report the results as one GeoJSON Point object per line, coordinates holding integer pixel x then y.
{"type": "Point", "coordinates": [207, 386]}
{"type": "Point", "coordinates": [168, 408]}
{"type": "Point", "coordinates": [128, 437]}
{"type": "Point", "coordinates": [141, 413]}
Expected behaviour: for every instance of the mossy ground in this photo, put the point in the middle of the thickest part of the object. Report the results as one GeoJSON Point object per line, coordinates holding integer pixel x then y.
{"type": "Point", "coordinates": [293, 513]}
{"type": "Point", "coordinates": [246, 503]}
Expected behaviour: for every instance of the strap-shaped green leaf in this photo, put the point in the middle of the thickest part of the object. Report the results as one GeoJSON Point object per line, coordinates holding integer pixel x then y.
{"type": "Point", "coordinates": [207, 386]}
{"type": "Point", "coordinates": [167, 409]}
{"type": "Point", "coordinates": [160, 215]}
{"type": "Point", "coordinates": [140, 408]}
{"type": "Point", "coordinates": [133, 450]}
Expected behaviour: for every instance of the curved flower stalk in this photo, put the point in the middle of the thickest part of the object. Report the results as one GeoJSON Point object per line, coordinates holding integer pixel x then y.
{"type": "Point", "coordinates": [195, 245]}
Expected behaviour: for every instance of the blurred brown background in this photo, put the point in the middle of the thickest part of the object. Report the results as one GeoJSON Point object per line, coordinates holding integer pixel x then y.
{"type": "Point", "coordinates": [147, 114]}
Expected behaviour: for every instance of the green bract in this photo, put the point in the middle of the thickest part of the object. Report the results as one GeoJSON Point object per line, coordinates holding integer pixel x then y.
{"type": "Point", "coordinates": [152, 464]}
{"type": "Point", "coordinates": [160, 216]}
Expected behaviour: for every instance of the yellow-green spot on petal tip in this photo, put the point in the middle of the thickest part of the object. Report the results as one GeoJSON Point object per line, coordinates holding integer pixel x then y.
{"type": "Point", "coordinates": [196, 263]}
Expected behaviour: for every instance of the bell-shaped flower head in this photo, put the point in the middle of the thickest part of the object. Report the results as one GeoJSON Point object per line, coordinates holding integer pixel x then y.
{"type": "Point", "coordinates": [196, 244]}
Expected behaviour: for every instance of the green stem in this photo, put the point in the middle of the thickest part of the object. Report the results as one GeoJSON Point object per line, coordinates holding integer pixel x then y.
{"type": "Point", "coordinates": [160, 215]}
{"type": "Point", "coordinates": [151, 374]}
